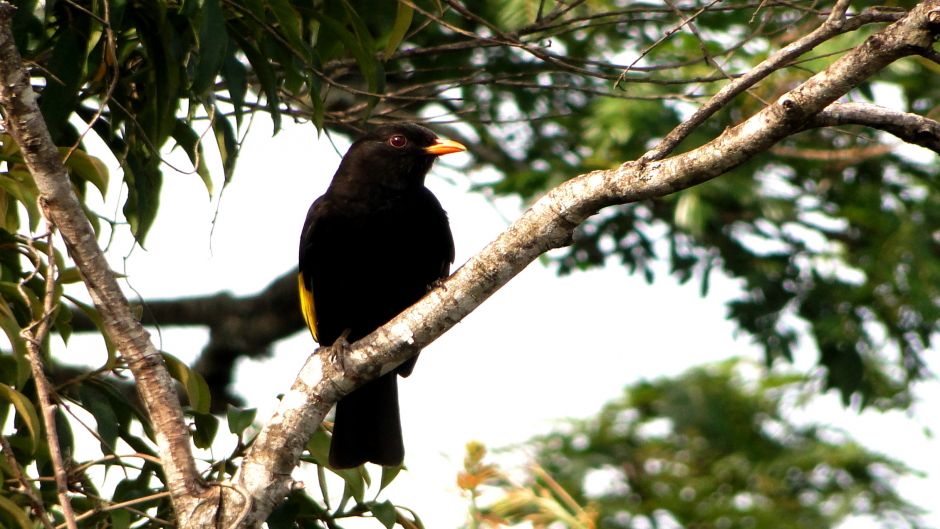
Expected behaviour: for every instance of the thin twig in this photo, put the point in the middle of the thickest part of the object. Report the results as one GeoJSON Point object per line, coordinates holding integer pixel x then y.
{"type": "Point", "coordinates": [669, 33]}
{"type": "Point", "coordinates": [834, 25]}
{"type": "Point", "coordinates": [34, 335]}
{"type": "Point", "coordinates": [38, 510]}
{"type": "Point", "coordinates": [119, 505]}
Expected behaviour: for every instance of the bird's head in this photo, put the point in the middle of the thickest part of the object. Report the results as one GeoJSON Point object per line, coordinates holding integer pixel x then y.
{"type": "Point", "coordinates": [396, 156]}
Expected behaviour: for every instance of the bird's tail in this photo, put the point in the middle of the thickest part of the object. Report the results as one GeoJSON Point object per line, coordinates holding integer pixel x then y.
{"type": "Point", "coordinates": [367, 426]}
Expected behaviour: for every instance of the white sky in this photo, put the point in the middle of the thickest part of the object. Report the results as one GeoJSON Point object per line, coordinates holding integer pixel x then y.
{"type": "Point", "coordinates": [541, 349]}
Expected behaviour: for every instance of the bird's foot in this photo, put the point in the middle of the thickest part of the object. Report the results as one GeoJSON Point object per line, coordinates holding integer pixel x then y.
{"type": "Point", "coordinates": [338, 351]}
{"type": "Point", "coordinates": [437, 283]}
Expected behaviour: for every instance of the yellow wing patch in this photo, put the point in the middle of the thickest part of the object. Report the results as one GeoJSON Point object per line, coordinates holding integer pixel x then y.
{"type": "Point", "coordinates": [306, 306]}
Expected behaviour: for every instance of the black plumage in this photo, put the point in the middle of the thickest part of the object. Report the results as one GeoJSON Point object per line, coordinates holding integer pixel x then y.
{"type": "Point", "coordinates": [372, 246]}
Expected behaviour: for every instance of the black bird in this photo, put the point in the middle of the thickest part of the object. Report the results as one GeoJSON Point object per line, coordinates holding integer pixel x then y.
{"type": "Point", "coordinates": [372, 246]}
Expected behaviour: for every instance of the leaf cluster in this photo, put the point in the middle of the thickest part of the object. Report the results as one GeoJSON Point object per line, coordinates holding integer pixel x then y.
{"type": "Point", "coordinates": [707, 449]}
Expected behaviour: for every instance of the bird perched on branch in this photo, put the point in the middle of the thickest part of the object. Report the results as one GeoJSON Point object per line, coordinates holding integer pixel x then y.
{"type": "Point", "coordinates": [372, 246]}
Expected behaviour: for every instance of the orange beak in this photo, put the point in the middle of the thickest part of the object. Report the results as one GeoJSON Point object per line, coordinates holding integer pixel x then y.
{"type": "Point", "coordinates": [441, 147]}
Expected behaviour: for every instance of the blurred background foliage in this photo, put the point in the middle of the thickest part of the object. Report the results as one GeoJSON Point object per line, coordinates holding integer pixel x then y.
{"type": "Point", "coordinates": [833, 234]}
{"type": "Point", "coordinates": [709, 449]}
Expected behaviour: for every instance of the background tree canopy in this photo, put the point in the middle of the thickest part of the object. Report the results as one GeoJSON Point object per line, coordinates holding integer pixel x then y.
{"type": "Point", "coordinates": [707, 449]}
{"type": "Point", "coordinates": [833, 234]}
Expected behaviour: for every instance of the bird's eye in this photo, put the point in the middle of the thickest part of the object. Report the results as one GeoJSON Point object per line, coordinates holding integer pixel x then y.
{"type": "Point", "coordinates": [398, 141]}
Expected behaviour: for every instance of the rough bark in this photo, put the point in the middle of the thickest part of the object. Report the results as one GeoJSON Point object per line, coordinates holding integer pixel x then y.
{"type": "Point", "coordinates": [61, 207]}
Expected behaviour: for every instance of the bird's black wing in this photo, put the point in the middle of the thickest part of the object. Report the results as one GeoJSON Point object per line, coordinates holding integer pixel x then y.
{"type": "Point", "coordinates": [304, 280]}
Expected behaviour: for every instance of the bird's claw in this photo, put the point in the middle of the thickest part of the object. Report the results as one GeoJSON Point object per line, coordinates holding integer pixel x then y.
{"type": "Point", "coordinates": [437, 283]}
{"type": "Point", "coordinates": [338, 351]}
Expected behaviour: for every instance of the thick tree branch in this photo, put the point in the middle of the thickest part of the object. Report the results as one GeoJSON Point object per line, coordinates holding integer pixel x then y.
{"type": "Point", "coordinates": [911, 128]}
{"type": "Point", "coordinates": [548, 224]}
{"type": "Point", "coordinates": [24, 122]}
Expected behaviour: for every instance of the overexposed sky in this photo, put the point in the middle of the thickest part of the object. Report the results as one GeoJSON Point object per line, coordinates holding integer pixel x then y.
{"type": "Point", "coordinates": [541, 349]}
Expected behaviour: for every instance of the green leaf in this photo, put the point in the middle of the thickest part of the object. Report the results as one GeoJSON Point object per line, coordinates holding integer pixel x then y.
{"type": "Point", "coordinates": [92, 314]}
{"type": "Point", "coordinates": [213, 39]}
{"type": "Point", "coordinates": [144, 180]}
{"type": "Point", "coordinates": [319, 446]}
{"type": "Point", "coordinates": [236, 82]}
{"type": "Point", "coordinates": [356, 481]}
{"type": "Point", "coordinates": [69, 275]}
{"type": "Point", "coordinates": [369, 65]}
{"type": "Point", "coordinates": [227, 144]}
{"type": "Point", "coordinates": [19, 184]}
{"type": "Point", "coordinates": [403, 17]}
{"type": "Point", "coordinates": [207, 426]}
{"type": "Point", "coordinates": [64, 78]}
{"type": "Point", "coordinates": [239, 419]}
{"type": "Point", "coordinates": [99, 405]}
{"type": "Point", "coordinates": [265, 72]}
{"type": "Point", "coordinates": [191, 143]}
{"type": "Point", "coordinates": [388, 475]}
{"type": "Point", "coordinates": [288, 20]}
{"type": "Point", "coordinates": [691, 212]}
{"type": "Point", "coordinates": [359, 43]}
{"type": "Point", "coordinates": [256, 7]}
{"type": "Point", "coordinates": [321, 481]}
{"type": "Point", "coordinates": [25, 410]}
{"type": "Point", "coordinates": [88, 168]}
{"type": "Point", "coordinates": [196, 388]}
{"type": "Point", "coordinates": [385, 513]}
{"type": "Point", "coordinates": [14, 513]}
{"type": "Point", "coordinates": [11, 328]}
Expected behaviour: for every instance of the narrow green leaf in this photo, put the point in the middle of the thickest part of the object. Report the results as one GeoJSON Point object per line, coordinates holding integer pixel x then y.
{"type": "Point", "coordinates": [9, 220]}
{"type": "Point", "coordinates": [19, 184]}
{"type": "Point", "coordinates": [92, 314]}
{"type": "Point", "coordinates": [265, 72]}
{"type": "Point", "coordinates": [24, 407]}
{"type": "Point", "coordinates": [319, 106]}
{"type": "Point", "coordinates": [69, 275]}
{"type": "Point", "coordinates": [11, 328]}
{"type": "Point", "coordinates": [65, 438]}
{"type": "Point", "coordinates": [64, 71]}
{"type": "Point", "coordinates": [99, 406]}
{"type": "Point", "coordinates": [144, 180]}
{"type": "Point", "coordinates": [15, 513]}
{"type": "Point", "coordinates": [227, 145]}
{"type": "Point", "coordinates": [403, 17]}
{"type": "Point", "coordinates": [196, 388]}
{"type": "Point", "coordinates": [388, 475]}
{"type": "Point", "coordinates": [189, 140]}
{"type": "Point", "coordinates": [63, 320]}
{"type": "Point", "coordinates": [288, 20]}
{"type": "Point", "coordinates": [355, 483]}
{"type": "Point", "coordinates": [26, 297]}
{"type": "Point", "coordinates": [319, 446]}
{"type": "Point", "coordinates": [236, 81]}
{"type": "Point", "coordinates": [88, 168]}
{"type": "Point", "coordinates": [213, 40]}
{"type": "Point", "coordinates": [359, 44]}
{"type": "Point", "coordinates": [371, 68]}
{"type": "Point", "coordinates": [207, 426]}
{"type": "Point", "coordinates": [256, 7]}
{"type": "Point", "coordinates": [324, 491]}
